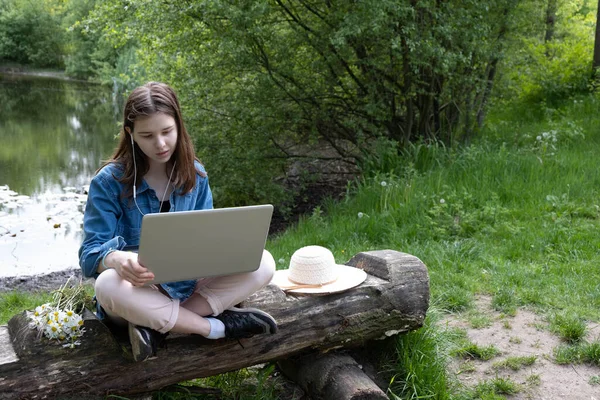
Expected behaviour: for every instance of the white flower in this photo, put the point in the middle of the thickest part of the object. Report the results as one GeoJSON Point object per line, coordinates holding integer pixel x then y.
{"type": "Point", "coordinates": [61, 325]}
{"type": "Point", "coordinates": [538, 138]}
{"type": "Point", "coordinates": [57, 320]}
{"type": "Point", "coordinates": [52, 330]}
{"type": "Point", "coordinates": [442, 201]}
{"type": "Point", "coordinates": [383, 183]}
{"type": "Point", "coordinates": [360, 215]}
{"type": "Point", "coordinates": [545, 135]}
{"type": "Point", "coordinates": [281, 261]}
{"type": "Point", "coordinates": [43, 309]}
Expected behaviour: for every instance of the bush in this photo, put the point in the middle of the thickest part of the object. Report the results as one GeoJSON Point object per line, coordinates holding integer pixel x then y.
{"type": "Point", "coordinates": [30, 34]}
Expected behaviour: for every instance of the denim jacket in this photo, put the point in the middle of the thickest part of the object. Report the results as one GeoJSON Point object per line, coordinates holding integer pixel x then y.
{"type": "Point", "coordinates": [112, 222]}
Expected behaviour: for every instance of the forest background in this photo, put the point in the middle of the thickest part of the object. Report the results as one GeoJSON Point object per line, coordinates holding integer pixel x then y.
{"type": "Point", "coordinates": [459, 131]}
{"type": "Point", "coordinates": [275, 91]}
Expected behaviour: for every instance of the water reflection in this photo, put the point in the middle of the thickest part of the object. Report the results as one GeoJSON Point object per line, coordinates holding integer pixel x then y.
{"type": "Point", "coordinates": [53, 136]}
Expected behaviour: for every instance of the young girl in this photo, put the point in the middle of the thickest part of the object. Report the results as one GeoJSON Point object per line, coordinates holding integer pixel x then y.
{"type": "Point", "coordinates": [154, 169]}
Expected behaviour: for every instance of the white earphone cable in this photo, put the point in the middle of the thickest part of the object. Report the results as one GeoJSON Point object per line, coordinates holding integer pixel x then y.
{"type": "Point", "coordinates": [135, 180]}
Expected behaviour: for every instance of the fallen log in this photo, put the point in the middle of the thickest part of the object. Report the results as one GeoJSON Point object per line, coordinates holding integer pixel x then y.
{"type": "Point", "coordinates": [393, 299]}
{"type": "Point", "coordinates": [331, 376]}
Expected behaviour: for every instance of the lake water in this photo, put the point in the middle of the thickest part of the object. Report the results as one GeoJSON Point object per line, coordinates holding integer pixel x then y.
{"type": "Point", "coordinates": [53, 136]}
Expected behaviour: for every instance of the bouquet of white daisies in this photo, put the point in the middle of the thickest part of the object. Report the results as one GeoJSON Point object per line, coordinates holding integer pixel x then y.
{"type": "Point", "coordinates": [60, 319]}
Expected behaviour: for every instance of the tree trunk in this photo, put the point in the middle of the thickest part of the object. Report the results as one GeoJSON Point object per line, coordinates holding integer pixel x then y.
{"type": "Point", "coordinates": [596, 62]}
{"type": "Point", "coordinates": [394, 299]}
{"type": "Point", "coordinates": [550, 20]}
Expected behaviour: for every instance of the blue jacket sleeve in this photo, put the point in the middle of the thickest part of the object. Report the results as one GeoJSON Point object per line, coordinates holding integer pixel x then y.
{"type": "Point", "coordinates": [102, 211]}
{"type": "Point", "coordinates": [204, 201]}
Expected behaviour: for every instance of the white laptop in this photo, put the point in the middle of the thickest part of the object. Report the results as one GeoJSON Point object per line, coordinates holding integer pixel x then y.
{"type": "Point", "coordinates": [198, 244]}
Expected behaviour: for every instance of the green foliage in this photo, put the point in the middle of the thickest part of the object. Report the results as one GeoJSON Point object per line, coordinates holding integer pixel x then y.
{"type": "Point", "coordinates": [30, 33]}
{"type": "Point", "coordinates": [549, 70]}
{"type": "Point", "coordinates": [461, 214]}
{"type": "Point", "coordinates": [88, 55]}
{"type": "Point", "coordinates": [265, 84]}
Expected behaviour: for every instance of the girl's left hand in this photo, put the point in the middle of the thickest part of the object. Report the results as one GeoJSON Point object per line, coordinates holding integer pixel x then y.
{"type": "Point", "coordinates": [127, 266]}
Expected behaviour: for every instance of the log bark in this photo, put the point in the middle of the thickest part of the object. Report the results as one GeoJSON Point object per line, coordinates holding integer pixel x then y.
{"type": "Point", "coordinates": [331, 376]}
{"type": "Point", "coordinates": [393, 299]}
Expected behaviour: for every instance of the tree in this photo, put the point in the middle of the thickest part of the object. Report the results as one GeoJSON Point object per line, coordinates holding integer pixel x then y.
{"type": "Point", "coordinates": [30, 33]}
{"type": "Point", "coordinates": [264, 82]}
{"type": "Point", "coordinates": [550, 19]}
{"type": "Point", "coordinates": [596, 59]}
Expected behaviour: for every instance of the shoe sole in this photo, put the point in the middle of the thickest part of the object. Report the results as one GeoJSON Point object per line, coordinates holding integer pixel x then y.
{"type": "Point", "coordinates": [139, 353]}
{"type": "Point", "coordinates": [268, 321]}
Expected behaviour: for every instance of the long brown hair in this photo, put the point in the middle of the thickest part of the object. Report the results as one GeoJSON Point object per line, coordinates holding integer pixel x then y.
{"type": "Point", "coordinates": [154, 97]}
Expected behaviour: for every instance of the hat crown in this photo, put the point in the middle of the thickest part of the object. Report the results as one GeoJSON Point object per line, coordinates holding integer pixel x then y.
{"type": "Point", "coordinates": [313, 265]}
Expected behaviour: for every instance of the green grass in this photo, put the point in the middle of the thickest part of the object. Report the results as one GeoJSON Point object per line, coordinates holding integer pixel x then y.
{"type": "Point", "coordinates": [420, 366]}
{"type": "Point", "coordinates": [474, 351]}
{"type": "Point", "coordinates": [569, 327]}
{"type": "Point", "coordinates": [515, 222]}
{"type": "Point", "coordinates": [479, 321]}
{"type": "Point", "coordinates": [492, 389]}
{"type": "Point", "coordinates": [510, 216]}
{"type": "Point", "coordinates": [12, 303]}
{"type": "Point", "coordinates": [581, 352]}
{"type": "Point", "coordinates": [534, 380]}
{"type": "Point", "coordinates": [515, 363]}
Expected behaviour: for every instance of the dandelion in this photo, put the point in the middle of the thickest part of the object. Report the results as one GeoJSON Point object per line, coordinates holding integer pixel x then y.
{"type": "Point", "coordinates": [360, 215]}
{"type": "Point", "coordinates": [442, 201]}
{"type": "Point", "coordinates": [383, 183]}
{"type": "Point", "coordinates": [538, 138]}
{"type": "Point", "coordinates": [281, 261]}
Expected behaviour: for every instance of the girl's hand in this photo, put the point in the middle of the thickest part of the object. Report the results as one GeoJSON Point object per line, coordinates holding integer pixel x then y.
{"type": "Point", "coordinates": [127, 266]}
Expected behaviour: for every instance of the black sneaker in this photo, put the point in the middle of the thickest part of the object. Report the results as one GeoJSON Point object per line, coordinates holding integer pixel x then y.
{"type": "Point", "coordinates": [144, 342]}
{"type": "Point", "coordinates": [246, 322]}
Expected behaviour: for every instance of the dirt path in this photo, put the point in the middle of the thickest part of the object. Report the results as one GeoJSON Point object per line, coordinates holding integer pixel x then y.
{"type": "Point", "coordinates": [526, 334]}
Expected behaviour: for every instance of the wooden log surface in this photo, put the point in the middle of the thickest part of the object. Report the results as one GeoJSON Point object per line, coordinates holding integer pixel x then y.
{"type": "Point", "coordinates": [393, 299]}
{"type": "Point", "coordinates": [331, 375]}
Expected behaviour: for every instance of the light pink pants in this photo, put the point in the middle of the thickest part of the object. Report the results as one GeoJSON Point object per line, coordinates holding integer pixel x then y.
{"type": "Point", "coordinates": [147, 306]}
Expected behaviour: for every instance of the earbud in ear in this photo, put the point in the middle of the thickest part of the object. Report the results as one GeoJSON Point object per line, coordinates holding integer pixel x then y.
{"type": "Point", "coordinates": [131, 136]}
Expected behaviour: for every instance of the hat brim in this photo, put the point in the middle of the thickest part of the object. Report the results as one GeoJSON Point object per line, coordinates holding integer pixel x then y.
{"type": "Point", "coordinates": [348, 277]}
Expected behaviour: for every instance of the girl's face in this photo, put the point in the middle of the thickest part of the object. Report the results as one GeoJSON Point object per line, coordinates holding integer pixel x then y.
{"type": "Point", "coordinates": [156, 135]}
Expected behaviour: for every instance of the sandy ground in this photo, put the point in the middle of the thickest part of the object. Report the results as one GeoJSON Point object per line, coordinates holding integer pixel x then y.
{"type": "Point", "coordinates": [526, 334]}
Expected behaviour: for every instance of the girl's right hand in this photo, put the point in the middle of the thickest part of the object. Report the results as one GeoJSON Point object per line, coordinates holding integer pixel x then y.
{"type": "Point", "coordinates": [127, 266]}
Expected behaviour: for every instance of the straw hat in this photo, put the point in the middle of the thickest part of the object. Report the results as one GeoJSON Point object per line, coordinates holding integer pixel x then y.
{"type": "Point", "coordinates": [313, 271]}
